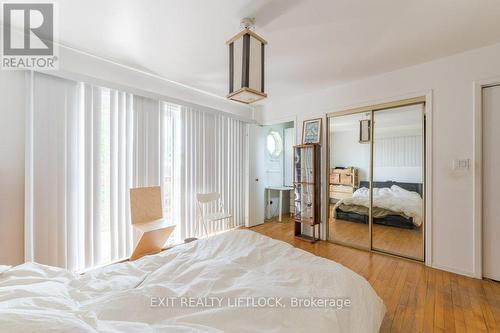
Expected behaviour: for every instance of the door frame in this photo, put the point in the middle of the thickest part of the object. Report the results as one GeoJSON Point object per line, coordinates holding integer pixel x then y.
{"type": "Point", "coordinates": [477, 171]}
{"type": "Point", "coordinates": [427, 96]}
{"type": "Point", "coordinates": [277, 122]}
{"type": "Point", "coordinates": [282, 120]}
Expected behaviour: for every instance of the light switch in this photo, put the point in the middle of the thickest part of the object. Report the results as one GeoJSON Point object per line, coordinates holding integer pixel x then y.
{"type": "Point", "coordinates": [461, 164]}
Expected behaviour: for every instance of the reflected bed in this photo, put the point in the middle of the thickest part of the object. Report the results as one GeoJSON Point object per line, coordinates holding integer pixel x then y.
{"type": "Point", "coordinates": [396, 204]}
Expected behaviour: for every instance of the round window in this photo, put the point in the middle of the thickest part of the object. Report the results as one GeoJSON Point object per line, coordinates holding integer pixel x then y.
{"type": "Point", "coordinates": [274, 144]}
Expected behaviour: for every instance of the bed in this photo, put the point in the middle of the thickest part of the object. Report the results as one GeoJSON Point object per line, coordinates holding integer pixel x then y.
{"type": "Point", "coordinates": [239, 264]}
{"type": "Point", "coordinates": [396, 204]}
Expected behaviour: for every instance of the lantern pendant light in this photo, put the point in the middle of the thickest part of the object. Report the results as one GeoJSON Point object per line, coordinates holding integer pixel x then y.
{"type": "Point", "coordinates": [246, 65]}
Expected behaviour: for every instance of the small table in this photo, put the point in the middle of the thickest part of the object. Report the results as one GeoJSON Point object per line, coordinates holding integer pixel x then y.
{"type": "Point", "coordinates": [280, 189]}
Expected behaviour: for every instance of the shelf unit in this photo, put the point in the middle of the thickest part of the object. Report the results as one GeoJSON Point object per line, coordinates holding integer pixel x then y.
{"type": "Point", "coordinates": [343, 182]}
{"type": "Point", "coordinates": [307, 189]}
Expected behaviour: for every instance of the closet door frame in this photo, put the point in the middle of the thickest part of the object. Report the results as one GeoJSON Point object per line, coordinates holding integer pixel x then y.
{"type": "Point", "coordinates": [425, 100]}
{"type": "Point", "coordinates": [477, 174]}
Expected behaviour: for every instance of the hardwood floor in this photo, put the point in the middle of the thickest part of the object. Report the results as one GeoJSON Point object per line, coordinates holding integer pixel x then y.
{"type": "Point", "coordinates": [406, 242]}
{"type": "Point", "coordinates": [418, 298]}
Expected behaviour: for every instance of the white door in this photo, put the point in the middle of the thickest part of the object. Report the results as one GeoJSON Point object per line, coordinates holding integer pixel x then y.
{"type": "Point", "coordinates": [256, 174]}
{"type": "Point", "coordinates": [491, 183]}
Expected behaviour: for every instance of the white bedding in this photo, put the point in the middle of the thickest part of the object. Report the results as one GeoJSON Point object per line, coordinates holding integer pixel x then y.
{"type": "Point", "coordinates": [118, 298]}
{"type": "Point", "coordinates": [395, 198]}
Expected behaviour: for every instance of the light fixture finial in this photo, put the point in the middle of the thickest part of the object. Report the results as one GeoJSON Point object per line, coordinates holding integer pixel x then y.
{"type": "Point", "coordinates": [247, 23]}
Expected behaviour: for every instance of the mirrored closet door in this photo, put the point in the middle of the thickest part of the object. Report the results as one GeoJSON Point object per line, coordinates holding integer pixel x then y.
{"type": "Point", "coordinates": [349, 174]}
{"type": "Point", "coordinates": [398, 178]}
{"type": "Point", "coordinates": [376, 173]}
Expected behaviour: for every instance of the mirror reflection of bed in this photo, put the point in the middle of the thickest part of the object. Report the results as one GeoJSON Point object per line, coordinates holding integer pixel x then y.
{"type": "Point", "coordinates": [397, 164]}
{"type": "Point", "coordinates": [397, 217]}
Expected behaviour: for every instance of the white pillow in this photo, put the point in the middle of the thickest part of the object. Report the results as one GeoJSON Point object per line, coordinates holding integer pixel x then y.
{"type": "Point", "coordinates": [361, 192]}
{"type": "Point", "coordinates": [402, 192]}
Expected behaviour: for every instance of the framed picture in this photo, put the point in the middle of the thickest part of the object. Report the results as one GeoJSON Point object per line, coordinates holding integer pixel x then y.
{"type": "Point", "coordinates": [311, 131]}
{"type": "Point", "coordinates": [364, 131]}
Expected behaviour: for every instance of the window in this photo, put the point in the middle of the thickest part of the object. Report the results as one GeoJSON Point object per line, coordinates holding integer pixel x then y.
{"type": "Point", "coordinates": [170, 164]}
{"type": "Point", "coordinates": [91, 144]}
{"type": "Point", "coordinates": [274, 144]}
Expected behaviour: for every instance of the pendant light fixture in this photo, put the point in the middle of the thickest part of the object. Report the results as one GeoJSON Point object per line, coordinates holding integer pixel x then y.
{"type": "Point", "coordinates": [246, 64]}
{"type": "Point", "coordinates": [365, 129]}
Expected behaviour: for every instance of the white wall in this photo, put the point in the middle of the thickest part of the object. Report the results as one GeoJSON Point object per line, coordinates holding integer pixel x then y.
{"type": "Point", "coordinates": [450, 80]}
{"type": "Point", "coordinates": [346, 151]}
{"type": "Point", "coordinates": [11, 167]}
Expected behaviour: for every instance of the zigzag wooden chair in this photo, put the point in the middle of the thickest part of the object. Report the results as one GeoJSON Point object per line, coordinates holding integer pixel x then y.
{"type": "Point", "coordinates": [147, 217]}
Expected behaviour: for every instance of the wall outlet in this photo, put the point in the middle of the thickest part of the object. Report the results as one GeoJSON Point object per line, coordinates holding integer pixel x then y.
{"type": "Point", "coordinates": [272, 208]}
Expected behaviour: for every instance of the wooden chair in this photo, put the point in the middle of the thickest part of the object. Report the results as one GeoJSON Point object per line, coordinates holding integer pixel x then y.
{"type": "Point", "coordinates": [147, 217]}
{"type": "Point", "coordinates": [207, 199]}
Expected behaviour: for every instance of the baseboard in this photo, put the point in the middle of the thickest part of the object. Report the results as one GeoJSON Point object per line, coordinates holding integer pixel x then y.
{"type": "Point", "coordinates": [456, 271]}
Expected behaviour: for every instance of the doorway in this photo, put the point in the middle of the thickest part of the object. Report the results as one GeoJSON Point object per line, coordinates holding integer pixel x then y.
{"type": "Point", "coordinates": [491, 181]}
{"type": "Point", "coordinates": [376, 172]}
{"type": "Point", "coordinates": [270, 172]}
{"type": "Point", "coordinates": [278, 161]}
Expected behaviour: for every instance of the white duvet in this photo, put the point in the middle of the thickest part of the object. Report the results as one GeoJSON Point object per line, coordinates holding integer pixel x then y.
{"type": "Point", "coordinates": [124, 297]}
{"type": "Point", "coordinates": [395, 198]}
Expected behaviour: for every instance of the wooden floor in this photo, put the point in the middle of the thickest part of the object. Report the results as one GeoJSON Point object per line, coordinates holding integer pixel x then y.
{"type": "Point", "coordinates": [406, 242]}
{"type": "Point", "coordinates": [418, 298]}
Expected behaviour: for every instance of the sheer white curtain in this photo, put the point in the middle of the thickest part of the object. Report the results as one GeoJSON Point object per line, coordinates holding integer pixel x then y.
{"type": "Point", "coordinates": [170, 152]}
{"type": "Point", "coordinates": [86, 146]}
{"type": "Point", "coordinates": [212, 159]}
{"type": "Point", "coordinates": [79, 169]}
{"type": "Point", "coordinates": [121, 122]}
{"type": "Point", "coordinates": [107, 176]}
{"type": "Point", "coordinates": [146, 141]}
{"type": "Point", "coordinates": [53, 196]}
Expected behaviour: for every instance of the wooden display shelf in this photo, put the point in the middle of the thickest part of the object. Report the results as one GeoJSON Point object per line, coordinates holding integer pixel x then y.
{"type": "Point", "coordinates": [308, 193]}
{"type": "Point", "coordinates": [298, 232]}
{"type": "Point", "coordinates": [306, 238]}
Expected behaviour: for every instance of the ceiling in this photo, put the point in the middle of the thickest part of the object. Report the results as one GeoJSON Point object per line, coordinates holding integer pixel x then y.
{"type": "Point", "coordinates": [312, 44]}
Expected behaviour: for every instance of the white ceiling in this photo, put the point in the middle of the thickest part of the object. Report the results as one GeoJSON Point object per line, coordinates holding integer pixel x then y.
{"type": "Point", "coordinates": [312, 44]}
